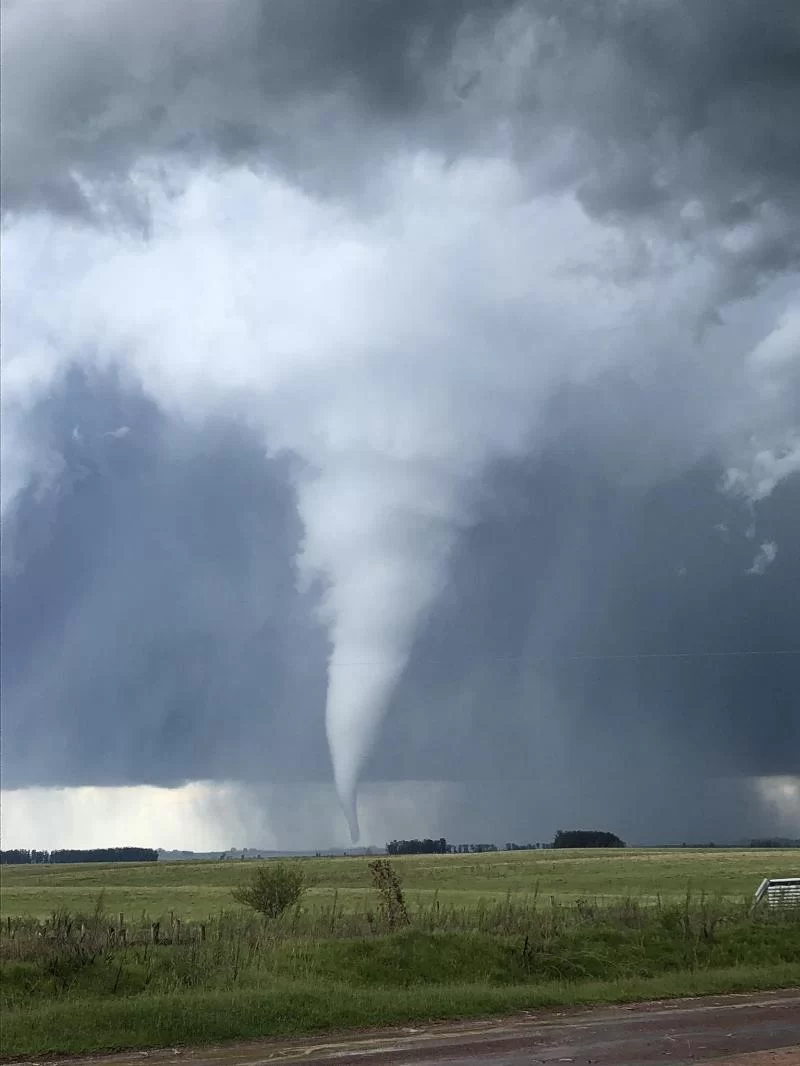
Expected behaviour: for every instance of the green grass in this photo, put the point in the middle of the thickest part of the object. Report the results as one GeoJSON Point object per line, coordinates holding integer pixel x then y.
{"type": "Point", "coordinates": [487, 934]}
{"type": "Point", "coordinates": [196, 890]}
{"type": "Point", "coordinates": [291, 1008]}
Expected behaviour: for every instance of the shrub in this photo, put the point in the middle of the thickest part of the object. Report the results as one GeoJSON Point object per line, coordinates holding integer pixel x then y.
{"type": "Point", "coordinates": [392, 904]}
{"type": "Point", "coordinates": [272, 889]}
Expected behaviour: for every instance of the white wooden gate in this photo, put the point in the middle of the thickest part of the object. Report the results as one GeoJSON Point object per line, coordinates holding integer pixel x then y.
{"type": "Point", "coordinates": [779, 891]}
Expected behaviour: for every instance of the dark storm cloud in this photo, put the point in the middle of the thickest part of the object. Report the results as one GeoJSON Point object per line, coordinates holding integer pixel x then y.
{"type": "Point", "coordinates": [152, 631]}
{"type": "Point", "coordinates": [554, 595]}
{"type": "Point", "coordinates": [527, 681]}
{"type": "Point", "coordinates": [96, 88]}
{"type": "Point", "coordinates": [642, 107]}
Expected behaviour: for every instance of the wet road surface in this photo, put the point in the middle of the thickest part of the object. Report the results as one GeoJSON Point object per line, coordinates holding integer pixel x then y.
{"type": "Point", "coordinates": [746, 1030]}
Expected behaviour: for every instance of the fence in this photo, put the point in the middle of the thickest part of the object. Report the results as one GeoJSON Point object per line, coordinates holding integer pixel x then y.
{"type": "Point", "coordinates": [779, 891]}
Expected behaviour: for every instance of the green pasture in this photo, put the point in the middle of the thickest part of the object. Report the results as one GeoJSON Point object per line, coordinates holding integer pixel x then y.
{"type": "Point", "coordinates": [196, 890]}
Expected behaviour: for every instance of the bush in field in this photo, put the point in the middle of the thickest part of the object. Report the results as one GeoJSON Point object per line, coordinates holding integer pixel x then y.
{"type": "Point", "coordinates": [272, 889]}
{"type": "Point", "coordinates": [392, 903]}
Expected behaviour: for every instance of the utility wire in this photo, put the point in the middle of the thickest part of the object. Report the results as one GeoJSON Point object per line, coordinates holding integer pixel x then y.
{"type": "Point", "coordinates": [609, 657]}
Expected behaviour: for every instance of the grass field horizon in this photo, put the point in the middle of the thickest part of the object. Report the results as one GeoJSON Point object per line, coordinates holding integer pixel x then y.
{"type": "Point", "coordinates": [198, 889]}
{"type": "Point", "coordinates": [84, 969]}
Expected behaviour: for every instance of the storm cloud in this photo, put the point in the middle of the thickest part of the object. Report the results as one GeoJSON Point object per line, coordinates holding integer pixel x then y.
{"type": "Point", "coordinates": [437, 361]}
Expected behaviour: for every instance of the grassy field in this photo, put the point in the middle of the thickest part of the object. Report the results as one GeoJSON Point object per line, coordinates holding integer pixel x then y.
{"type": "Point", "coordinates": [197, 890]}
{"type": "Point", "coordinates": [485, 934]}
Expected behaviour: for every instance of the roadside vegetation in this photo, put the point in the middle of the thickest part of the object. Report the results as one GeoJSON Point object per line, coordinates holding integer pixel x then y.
{"type": "Point", "coordinates": [272, 889]}
{"type": "Point", "coordinates": [270, 965]}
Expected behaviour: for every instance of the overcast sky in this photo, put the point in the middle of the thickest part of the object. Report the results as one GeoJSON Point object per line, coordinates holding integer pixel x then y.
{"type": "Point", "coordinates": [400, 396]}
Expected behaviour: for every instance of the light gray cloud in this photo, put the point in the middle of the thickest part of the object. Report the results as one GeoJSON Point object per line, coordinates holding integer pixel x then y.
{"type": "Point", "coordinates": [764, 558]}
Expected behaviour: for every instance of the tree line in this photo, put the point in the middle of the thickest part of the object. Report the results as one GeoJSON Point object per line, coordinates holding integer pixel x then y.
{"type": "Point", "coordinates": [417, 847]}
{"type": "Point", "coordinates": [22, 856]}
{"type": "Point", "coordinates": [564, 838]}
{"type": "Point", "coordinates": [586, 838]}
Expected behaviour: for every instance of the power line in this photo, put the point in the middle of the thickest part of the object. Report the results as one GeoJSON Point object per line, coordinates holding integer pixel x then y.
{"type": "Point", "coordinates": [605, 657]}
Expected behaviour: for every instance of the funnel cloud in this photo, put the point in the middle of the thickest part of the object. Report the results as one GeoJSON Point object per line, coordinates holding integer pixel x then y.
{"type": "Point", "coordinates": [401, 392]}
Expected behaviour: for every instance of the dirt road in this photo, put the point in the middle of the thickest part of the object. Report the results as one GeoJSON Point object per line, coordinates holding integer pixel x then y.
{"type": "Point", "coordinates": [762, 1030]}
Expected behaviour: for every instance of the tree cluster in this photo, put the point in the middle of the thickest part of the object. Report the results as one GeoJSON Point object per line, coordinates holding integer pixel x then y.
{"type": "Point", "coordinates": [586, 838]}
{"type": "Point", "coordinates": [417, 847]}
{"type": "Point", "coordinates": [21, 856]}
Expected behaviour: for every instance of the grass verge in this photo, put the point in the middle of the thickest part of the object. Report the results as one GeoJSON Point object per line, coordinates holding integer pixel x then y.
{"type": "Point", "coordinates": [293, 1007]}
